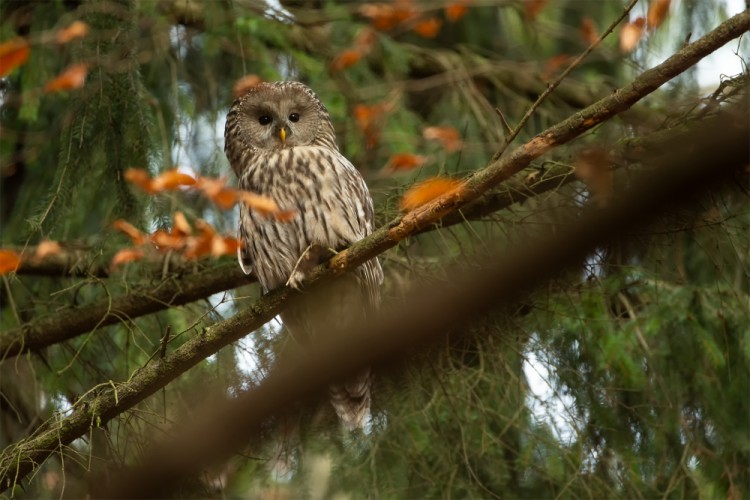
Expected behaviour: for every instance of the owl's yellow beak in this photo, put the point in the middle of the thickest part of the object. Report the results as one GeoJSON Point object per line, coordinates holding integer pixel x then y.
{"type": "Point", "coordinates": [282, 134]}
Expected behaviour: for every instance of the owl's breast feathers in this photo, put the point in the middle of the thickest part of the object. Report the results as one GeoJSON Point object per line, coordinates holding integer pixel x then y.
{"type": "Point", "coordinates": [332, 203]}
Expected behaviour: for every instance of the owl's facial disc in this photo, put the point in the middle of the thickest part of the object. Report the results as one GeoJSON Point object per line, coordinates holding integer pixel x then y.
{"type": "Point", "coordinates": [280, 128]}
{"type": "Point", "coordinates": [275, 118]}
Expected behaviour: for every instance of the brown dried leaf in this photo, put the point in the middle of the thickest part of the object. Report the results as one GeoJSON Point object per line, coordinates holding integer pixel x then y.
{"type": "Point", "coordinates": [553, 65]}
{"type": "Point", "coordinates": [631, 34]}
{"type": "Point", "coordinates": [244, 84]}
{"type": "Point", "coordinates": [588, 31]}
{"type": "Point", "coordinates": [593, 167]}
{"type": "Point", "coordinates": [657, 13]}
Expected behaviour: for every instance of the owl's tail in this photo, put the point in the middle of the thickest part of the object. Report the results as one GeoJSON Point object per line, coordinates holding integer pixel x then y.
{"type": "Point", "coordinates": [351, 399]}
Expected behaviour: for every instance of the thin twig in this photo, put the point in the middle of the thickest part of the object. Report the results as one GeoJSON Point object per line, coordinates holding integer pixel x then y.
{"type": "Point", "coordinates": [552, 86]}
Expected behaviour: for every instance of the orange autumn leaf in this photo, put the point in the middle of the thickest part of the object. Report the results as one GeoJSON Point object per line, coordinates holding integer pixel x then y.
{"type": "Point", "coordinates": [448, 137]}
{"type": "Point", "coordinates": [13, 53]}
{"type": "Point", "coordinates": [384, 16]}
{"type": "Point", "coordinates": [171, 179]}
{"type": "Point", "coordinates": [265, 206]}
{"type": "Point", "coordinates": [346, 59]}
{"type": "Point", "coordinates": [426, 191]}
{"type": "Point", "coordinates": [631, 34]}
{"type": "Point", "coordinates": [553, 65]}
{"type": "Point", "coordinates": [180, 226]}
{"type": "Point", "coordinates": [140, 178]}
{"type": "Point", "coordinates": [168, 241]}
{"type": "Point", "coordinates": [404, 161]}
{"type": "Point", "coordinates": [244, 84]}
{"type": "Point", "coordinates": [9, 261]}
{"type": "Point", "coordinates": [366, 115]}
{"type": "Point", "coordinates": [593, 167]}
{"type": "Point", "coordinates": [47, 248]}
{"type": "Point", "coordinates": [532, 8]}
{"type": "Point", "coordinates": [381, 15]}
{"type": "Point", "coordinates": [657, 13]}
{"type": "Point", "coordinates": [369, 119]}
{"type": "Point", "coordinates": [226, 198]}
{"type": "Point", "coordinates": [224, 245]}
{"type": "Point", "coordinates": [136, 236]}
{"type": "Point", "coordinates": [456, 10]}
{"type": "Point", "coordinates": [588, 31]}
{"type": "Point", "coordinates": [73, 77]}
{"type": "Point", "coordinates": [77, 29]}
{"type": "Point", "coordinates": [217, 191]}
{"type": "Point", "coordinates": [428, 28]}
{"type": "Point", "coordinates": [126, 255]}
{"type": "Point", "coordinates": [365, 40]}
{"type": "Point", "coordinates": [200, 245]}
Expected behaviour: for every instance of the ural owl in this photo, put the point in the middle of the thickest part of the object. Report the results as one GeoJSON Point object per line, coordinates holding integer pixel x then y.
{"type": "Point", "coordinates": [280, 142]}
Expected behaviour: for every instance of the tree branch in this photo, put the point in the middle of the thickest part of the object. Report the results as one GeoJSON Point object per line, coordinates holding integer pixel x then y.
{"type": "Point", "coordinates": [720, 151]}
{"type": "Point", "coordinates": [63, 325]}
{"type": "Point", "coordinates": [66, 262]}
{"type": "Point", "coordinates": [565, 131]}
{"type": "Point", "coordinates": [21, 458]}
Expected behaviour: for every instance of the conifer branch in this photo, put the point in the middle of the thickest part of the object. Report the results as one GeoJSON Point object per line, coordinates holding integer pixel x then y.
{"type": "Point", "coordinates": [177, 289]}
{"type": "Point", "coordinates": [65, 261]}
{"type": "Point", "coordinates": [19, 459]}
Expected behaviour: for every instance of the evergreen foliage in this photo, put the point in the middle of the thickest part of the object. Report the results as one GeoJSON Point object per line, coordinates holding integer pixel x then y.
{"type": "Point", "coordinates": [626, 377]}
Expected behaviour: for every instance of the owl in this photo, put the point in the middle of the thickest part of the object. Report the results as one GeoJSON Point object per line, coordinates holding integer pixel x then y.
{"type": "Point", "coordinates": [281, 144]}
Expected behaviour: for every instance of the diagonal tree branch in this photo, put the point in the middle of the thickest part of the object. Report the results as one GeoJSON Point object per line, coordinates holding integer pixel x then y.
{"type": "Point", "coordinates": [720, 151]}
{"type": "Point", "coordinates": [498, 171]}
{"type": "Point", "coordinates": [21, 458]}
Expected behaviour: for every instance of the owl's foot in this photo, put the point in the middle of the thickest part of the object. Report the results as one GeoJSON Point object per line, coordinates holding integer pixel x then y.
{"type": "Point", "coordinates": [311, 257]}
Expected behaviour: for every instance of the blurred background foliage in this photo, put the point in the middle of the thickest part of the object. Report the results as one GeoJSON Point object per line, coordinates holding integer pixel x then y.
{"type": "Point", "coordinates": [628, 377]}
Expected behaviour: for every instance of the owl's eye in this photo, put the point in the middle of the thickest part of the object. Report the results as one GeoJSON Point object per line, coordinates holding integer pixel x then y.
{"type": "Point", "coordinates": [294, 117]}
{"type": "Point", "coordinates": [264, 120]}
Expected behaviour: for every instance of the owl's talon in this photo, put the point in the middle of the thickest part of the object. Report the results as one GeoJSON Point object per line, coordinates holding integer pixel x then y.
{"type": "Point", "coordinates": [295, 280]}
{"type": "Point", "coordinates": [298, 275]}
{"type": "Point", "coordinates": [313, 255]}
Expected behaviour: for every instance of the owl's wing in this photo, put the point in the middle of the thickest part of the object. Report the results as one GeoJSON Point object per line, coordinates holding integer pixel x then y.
{"type": "Point", "coordinates": [243, 255]}
{"type": "Point", "coordinates": [371, 272]}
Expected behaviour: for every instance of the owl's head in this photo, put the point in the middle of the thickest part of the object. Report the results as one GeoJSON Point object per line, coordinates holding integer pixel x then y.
{"type": "Point", "coordinates": [276, 115]}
